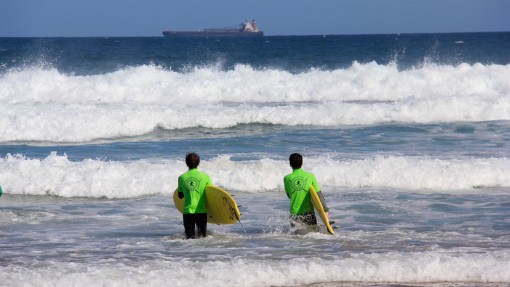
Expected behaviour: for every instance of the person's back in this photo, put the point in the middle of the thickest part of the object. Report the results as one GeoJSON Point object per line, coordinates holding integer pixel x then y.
{"type": "Point", "coordinates": [192, 185]}
{"type": "Point", "coordinates": [297, 186]}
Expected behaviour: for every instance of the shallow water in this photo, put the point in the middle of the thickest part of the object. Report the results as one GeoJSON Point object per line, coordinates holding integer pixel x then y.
{"type": "Point", "coordinates": [383, 236]}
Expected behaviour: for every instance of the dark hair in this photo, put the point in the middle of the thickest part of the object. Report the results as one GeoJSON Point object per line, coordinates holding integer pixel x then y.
{"type": "Point", "coordinates": [192, 160]}
{"type": "Point", "coordinates": [296, 160]}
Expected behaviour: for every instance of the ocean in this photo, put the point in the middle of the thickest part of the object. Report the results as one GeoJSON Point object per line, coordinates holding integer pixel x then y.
{"type": "Point", "coordinates": [407, 134]}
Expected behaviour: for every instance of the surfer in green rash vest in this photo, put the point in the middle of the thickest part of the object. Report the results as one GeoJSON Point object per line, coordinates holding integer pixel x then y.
{"type": "Point", "coordinates": [297, 186]}
{"type": "Point", "coordinates": [191, 186]}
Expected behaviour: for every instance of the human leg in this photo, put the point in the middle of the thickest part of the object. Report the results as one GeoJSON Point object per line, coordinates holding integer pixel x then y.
{"type": "Point", "coordinates": [189, 225]}
{"type": "Point", "coordinates": [303, 223]}
{"type": "Point", "coordinates": [201, 222]}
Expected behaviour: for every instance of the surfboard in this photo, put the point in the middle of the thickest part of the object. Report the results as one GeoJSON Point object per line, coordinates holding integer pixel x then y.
{"type": "Point", "coordinates": [320, 210]}
{"type": "Point", "coordinates": [221, 207]}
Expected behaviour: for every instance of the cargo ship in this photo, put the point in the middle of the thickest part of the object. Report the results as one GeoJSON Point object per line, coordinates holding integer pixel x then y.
{"type": "Point", "coordinates": [246, 29]}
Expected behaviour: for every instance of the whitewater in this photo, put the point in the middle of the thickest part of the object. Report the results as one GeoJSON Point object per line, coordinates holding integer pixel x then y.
{"type": "Point", "coordinates": [41, 105]}
{"type": "Point", "coordinates": [57, 175]}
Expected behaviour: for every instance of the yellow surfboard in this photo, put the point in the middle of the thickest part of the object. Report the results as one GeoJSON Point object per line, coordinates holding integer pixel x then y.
{"type": "Point", "coordinates": [320, 210]}
{"type": "Point", "coordinates": [221, 207]}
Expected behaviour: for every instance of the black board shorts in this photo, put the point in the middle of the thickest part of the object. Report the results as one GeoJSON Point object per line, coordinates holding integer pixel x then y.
{"type": "Point", "coordinates": [306, 218]}
{"type": "Point", "coordinates": [198, 219]}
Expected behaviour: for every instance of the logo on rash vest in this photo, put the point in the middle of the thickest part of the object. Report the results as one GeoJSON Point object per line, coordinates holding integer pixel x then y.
{"type": "Point", "coordinates": [299, 184]}
{"type": "Point", "coordinates": [192, 184]}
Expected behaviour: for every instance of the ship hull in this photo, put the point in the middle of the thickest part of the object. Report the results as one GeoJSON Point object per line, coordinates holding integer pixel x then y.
{"type": "Point", "coordinates": [178, 34]}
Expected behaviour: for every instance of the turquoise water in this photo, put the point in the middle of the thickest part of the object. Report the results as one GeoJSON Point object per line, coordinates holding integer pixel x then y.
{"type": "Point", "coordinates": [407, 134]}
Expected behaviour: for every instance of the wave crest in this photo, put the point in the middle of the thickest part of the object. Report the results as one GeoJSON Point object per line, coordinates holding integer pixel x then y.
{"type": "Point", "coordinates": [56, 175]}
{"type": "Point", "coordinates": [45, 105]}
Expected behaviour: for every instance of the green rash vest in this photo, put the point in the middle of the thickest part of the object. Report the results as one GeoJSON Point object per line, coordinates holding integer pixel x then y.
{"type": "Point", "coordinates": [297, 186]}
{"type": "Point", "coordinates": [192, 184]}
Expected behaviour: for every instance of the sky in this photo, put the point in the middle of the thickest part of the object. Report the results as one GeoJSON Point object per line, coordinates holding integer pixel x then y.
{"type": "Point", "coordinates": [125, 18]}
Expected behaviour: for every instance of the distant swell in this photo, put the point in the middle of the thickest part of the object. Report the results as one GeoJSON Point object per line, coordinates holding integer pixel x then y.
{"type": "Point", "coordinates": [56, 175]}
{"type": "Point", "coordinates": [46, 105]}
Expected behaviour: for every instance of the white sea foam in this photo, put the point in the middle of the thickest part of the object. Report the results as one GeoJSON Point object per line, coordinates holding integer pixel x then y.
{"type": "Point", "coordinates": [429, 267]}
{"type": "Point", "coordinates": [46, 105]}
{"type": "Point", "coordinates": [57, 175]}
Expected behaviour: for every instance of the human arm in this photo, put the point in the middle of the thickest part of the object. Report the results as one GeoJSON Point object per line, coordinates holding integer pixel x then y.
{"type": "Point", "coordinates": [323, 203]}
{"type": "Point", "coordinates": [180, 192]}
{"type": "Point", "coordinates": [286, 186]}
{"type": "Point", "coordinates": [209, 181]}
{"type": "Point", "coordinates": [317, 188]}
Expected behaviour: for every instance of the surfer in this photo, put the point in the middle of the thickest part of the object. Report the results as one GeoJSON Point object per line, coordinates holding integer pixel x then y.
{"type": "Point", "coordinates": [297, 186]}
{"type": "Point", "coordinates": [191, 186]}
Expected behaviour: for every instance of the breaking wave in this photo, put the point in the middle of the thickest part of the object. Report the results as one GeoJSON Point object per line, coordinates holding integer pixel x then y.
{"type": "Point", "coordinates": [46, 105]}
{"type": "Point", "coordinates": [56, 175]}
